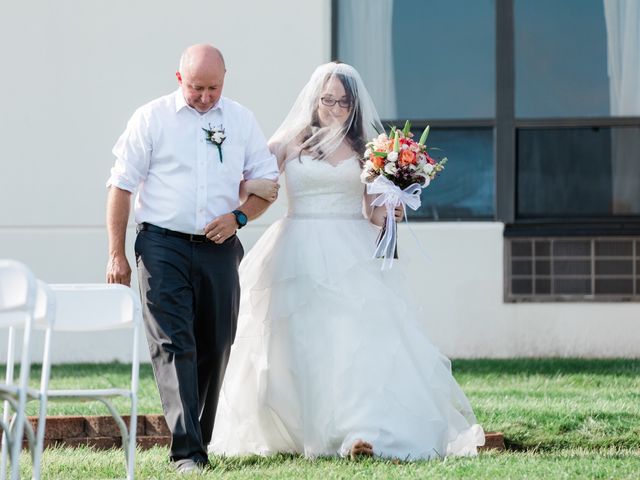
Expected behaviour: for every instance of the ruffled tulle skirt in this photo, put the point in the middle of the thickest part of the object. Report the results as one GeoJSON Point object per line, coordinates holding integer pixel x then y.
{"type": "Point", "coordinates": [329, 350]}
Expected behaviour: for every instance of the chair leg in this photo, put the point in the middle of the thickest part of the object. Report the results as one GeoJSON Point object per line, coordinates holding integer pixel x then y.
{"type": "Point", "coordinates": [131, 447]}
{"type": "Point", "coordinates": [7, 445]}
{"type": "Point", "coordinates": [20, 416]}
{"type": "Point", "coordinates": [130, 454]}
{"type": "Point", "coordinates": [5, 416]}
{"type": "Point", "coordinates": [38, 446]}
{"type": "Point", "coordinates": [6, 441]}
{"type": "Point", "coordinates": [16, 447]}
{"type": "Point", "coordinates": [128, 435]}
{"type": "Point", "coordinates": [8, 438]}
{"type": "Point", "coordinates": [14, 442]}
{"type": "Point", "coordinates": [42, 417]}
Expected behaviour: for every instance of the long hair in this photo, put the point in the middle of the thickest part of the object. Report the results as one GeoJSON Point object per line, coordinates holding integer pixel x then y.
{"type": "Point", "coordinates": [354, 133]}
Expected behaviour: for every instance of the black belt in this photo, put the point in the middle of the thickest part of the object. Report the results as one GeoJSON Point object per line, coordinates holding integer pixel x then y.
{"type": "Point", "coordinates": [165, 231]}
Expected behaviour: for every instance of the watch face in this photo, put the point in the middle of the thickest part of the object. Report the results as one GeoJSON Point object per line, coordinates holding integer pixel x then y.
{"type": "Point", "coordinates": [241, 218]}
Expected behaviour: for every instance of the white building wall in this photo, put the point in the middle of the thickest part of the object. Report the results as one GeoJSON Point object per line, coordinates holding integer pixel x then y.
{"type": "Point", "coordinates": [73, 73]}
{"type": "Point", "coordinates": [461, 301]}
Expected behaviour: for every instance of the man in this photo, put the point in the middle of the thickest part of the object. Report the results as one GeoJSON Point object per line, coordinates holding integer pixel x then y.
{"type": "Point", "coordinates": [185, 155]}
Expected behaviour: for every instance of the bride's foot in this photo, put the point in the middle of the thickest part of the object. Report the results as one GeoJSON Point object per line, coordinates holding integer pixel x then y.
{"type": "Point", "coordinates": [360, 448]}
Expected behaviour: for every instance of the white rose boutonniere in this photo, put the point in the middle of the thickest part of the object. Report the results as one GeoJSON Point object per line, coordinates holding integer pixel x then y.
{"type": "Point", "coordinates": [215, 136]}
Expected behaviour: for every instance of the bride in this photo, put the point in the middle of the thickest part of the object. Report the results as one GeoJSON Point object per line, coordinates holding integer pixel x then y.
{"type": "Point", "coordinates": [329, 356]}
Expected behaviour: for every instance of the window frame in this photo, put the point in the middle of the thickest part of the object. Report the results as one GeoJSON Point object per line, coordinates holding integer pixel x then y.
{"type": "Point", "coordinates": [505, 128]}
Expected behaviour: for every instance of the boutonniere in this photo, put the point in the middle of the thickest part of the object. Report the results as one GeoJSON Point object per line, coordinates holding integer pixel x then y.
{"type": "Point", "coordinates": [215, 136]}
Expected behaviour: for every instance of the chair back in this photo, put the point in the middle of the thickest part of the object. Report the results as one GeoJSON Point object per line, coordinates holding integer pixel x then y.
{"type": "Point", "coordinates": [96, 307]}
{"type": "Point", "coordinates": [18, 298]}
{"type": "Point", "coordinates": [93, 307]}
{"type": "Point", "coordinates": [17, 293]}
{"type": "Point", "coordinates": [45, 307]}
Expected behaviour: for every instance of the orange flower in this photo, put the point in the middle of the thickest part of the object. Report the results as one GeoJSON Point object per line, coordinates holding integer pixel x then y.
{"type": "Point", "coordinates": [378, 162]}
{"type": "Point", "coordinates": [407, 157]}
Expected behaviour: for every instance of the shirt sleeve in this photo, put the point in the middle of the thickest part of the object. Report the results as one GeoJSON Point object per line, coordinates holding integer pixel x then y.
{"type": "Point", "coordinates": [132, 152]}
{"type": "Point", "coordinates": [259, 161]}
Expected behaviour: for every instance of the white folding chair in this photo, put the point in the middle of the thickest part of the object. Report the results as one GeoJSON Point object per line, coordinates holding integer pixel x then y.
{"type": "Point", "coordinates": [44, 317]}
{"type": "Point", "coordinates": [24, 303]}
{"type": "Point", "coordinates": [99, 307]}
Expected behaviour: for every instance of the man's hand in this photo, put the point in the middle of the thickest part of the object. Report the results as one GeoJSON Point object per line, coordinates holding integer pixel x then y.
{"type": "Point", "coordinates": [226, 226]}
{"type": "Point", "coordinates": [119, 271]}
{"type": "Point", "coordinates": [118, 204]}
{"type": "Point", "coordinates": [221, 228]}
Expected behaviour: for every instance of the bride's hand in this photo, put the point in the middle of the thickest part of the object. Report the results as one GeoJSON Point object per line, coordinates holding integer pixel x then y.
{"type": "Point", "coordinates": [379, 215]}
{"type": "Point", "coordinates": [398, 213]}
{"type": "Point", "coordinates": [267, 189]}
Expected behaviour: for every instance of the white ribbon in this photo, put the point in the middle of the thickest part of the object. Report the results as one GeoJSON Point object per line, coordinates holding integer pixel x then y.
{"type": "Point", "coordinates": [390, 195]}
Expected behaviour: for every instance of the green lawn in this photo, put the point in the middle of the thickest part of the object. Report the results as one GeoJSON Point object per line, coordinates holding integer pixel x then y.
{"type": "Point", "coordinates": [561, 418]}
{"type": "Point", "coordinates": [104, 375]}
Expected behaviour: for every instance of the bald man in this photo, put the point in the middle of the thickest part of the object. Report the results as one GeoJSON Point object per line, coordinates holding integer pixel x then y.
{"type": "Point", "coordinates": [184, 155]}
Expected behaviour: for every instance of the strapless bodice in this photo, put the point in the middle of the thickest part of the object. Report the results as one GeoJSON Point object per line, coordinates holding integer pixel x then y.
{"type": "Point", "coordinates": [317, 188]}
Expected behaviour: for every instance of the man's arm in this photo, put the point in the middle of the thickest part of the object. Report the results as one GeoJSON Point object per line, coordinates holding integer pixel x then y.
{"type": "Point", "coordinates": [254, 207]}
{"type": "Point", "coordinates": [225, 225]}
{"type": "Point", "coordinates": [260, 163]}
{"type": "Point", "coordinates": [118, 206]}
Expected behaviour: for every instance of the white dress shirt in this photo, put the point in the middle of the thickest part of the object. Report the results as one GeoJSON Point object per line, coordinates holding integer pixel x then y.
{"type": "Point", "coordinates": [179, 180]}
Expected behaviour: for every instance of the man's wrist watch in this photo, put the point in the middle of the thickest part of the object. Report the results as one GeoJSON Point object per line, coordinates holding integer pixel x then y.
{"type": "Point", "coordinates": [241, 218]}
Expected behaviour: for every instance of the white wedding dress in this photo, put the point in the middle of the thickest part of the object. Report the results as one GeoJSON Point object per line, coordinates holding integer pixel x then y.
{"type": "Point", "coordinates": [328, 349]}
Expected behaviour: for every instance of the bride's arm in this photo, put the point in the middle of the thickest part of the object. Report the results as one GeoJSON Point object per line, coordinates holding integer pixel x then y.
{"type": "Point", "coordinates": [260, 187]}
{"type": "Point", "coordinates": [284, 152]}
{"type": "Point", "coordinates": [263, 188]}
{"type": "Point", "coordinates": [266, 189]}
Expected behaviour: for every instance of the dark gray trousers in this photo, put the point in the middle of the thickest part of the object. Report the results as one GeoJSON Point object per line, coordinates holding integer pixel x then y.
{"type": "Point", "coordinates": [191, 295]}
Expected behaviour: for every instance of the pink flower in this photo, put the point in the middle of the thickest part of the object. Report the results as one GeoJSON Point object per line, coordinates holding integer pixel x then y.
{"type": "Point", "coordinates": [429, 159]}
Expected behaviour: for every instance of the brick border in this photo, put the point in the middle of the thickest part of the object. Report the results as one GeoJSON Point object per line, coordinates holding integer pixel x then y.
{"type": "Point", "coordinates": [102, 432]}
{"type": "Point", "coordinates": [493, 441]}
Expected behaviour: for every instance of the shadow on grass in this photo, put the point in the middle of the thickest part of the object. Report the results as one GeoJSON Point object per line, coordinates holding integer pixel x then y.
{"type": "Point", "coordinates": [547, 366]}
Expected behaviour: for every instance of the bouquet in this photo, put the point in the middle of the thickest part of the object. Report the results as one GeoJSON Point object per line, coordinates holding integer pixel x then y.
{"type": "Point", "coordinates": [397, 168]}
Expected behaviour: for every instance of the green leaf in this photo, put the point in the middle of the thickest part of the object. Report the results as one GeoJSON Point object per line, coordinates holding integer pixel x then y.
{"type": "Point", "coordinates": [406, 129]}
{"type": "Point", "coordinates": [396, 141]}
{"type": "Point", "coordinates": [423, 137]}
{"type": "Point", "coordinates": [380, 154]}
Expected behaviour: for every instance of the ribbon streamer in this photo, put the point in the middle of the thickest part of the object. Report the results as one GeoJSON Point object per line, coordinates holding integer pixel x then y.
{"type": "Point", "coordinates": [390, 195]}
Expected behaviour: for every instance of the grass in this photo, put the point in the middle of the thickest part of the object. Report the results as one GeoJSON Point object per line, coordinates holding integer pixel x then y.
{"type": "Point", "coordinates": [561, 418]}
{"type": "Point", "coordinates": [104, 375]}
{"type": "Point", "coordinates": [553, 404]}
{"type": "Point", "coordinates": [570, 464]}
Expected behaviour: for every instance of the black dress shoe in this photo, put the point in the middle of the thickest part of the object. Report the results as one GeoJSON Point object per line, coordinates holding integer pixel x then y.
{"type": "Point", "coordinates": [188, 465]}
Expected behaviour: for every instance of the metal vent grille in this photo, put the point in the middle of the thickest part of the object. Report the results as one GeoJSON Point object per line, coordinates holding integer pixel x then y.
{"type": "Point", "coordinates": [572, 269]}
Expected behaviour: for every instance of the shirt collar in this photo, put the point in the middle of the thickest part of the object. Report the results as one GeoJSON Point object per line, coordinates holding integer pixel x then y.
{"type": "Point", "coordinates": [182, 103]}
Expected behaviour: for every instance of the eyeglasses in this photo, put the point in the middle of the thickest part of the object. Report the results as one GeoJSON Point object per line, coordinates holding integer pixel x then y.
{"type": "Point", "coordinates": [330, 102]}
